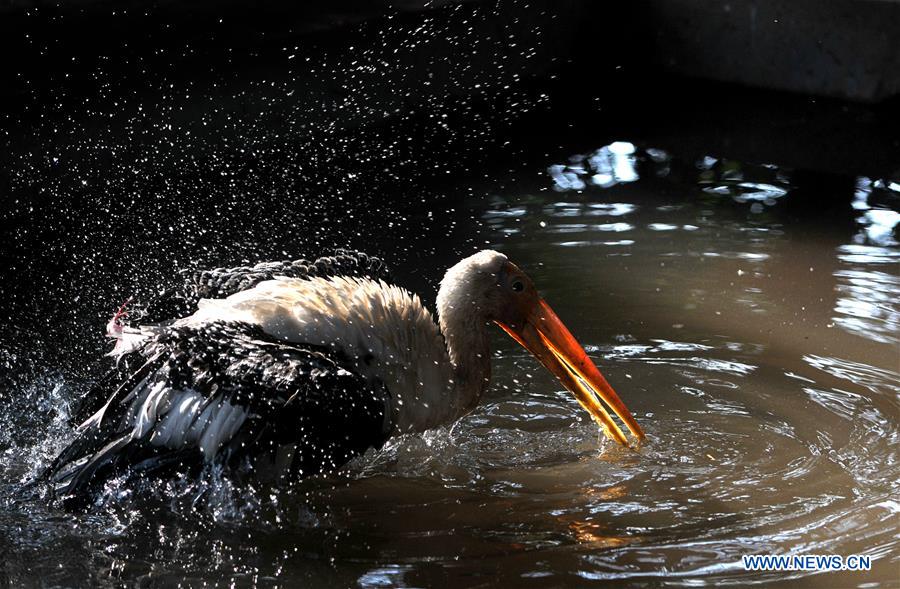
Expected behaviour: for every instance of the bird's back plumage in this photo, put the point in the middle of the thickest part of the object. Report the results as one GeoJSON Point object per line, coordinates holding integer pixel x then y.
{"type": "Point", "coordinates": [182, 298]}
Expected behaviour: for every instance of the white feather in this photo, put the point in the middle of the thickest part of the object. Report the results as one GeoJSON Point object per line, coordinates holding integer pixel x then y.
{"type": "Point", "coordinates": [147, 413]}
{"type": "Point", "coordinates": [184, 407]}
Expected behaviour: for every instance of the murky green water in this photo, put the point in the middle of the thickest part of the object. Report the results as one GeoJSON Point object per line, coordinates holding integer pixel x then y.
{"type": "Point", "coordinates": [758, 351]}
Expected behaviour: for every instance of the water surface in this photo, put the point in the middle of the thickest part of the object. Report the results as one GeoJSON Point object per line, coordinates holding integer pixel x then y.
{"type": "Point", "coordinates": [758, 348]}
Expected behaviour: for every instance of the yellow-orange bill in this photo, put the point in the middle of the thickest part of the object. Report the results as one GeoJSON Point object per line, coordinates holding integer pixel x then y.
{"type": "Point", "coordinates": [545, 336]}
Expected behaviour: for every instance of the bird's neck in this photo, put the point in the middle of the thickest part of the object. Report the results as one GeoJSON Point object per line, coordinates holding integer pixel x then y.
{"type": "Point", "coordinates": [468, 343]}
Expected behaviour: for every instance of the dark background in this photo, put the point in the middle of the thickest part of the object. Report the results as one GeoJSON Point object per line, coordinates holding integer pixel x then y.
{"type": "Point", "coordinates": [139, 138]}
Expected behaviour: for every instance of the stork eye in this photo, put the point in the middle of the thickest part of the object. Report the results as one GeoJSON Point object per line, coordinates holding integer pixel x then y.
{"type": "Point", "coordinates": [518, 286]}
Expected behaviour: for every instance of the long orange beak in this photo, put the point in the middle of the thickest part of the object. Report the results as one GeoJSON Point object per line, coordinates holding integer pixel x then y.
{"type": "Point", "coordinates": [545, 336]}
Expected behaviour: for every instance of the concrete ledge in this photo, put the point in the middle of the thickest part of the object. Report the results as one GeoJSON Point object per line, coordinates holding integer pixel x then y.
{"type": "Point", "coordinates": [843, 48]}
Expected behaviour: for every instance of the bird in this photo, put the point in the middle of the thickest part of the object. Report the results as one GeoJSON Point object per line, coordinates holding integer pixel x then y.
{"type": "Point", "coordinates": [291, 369]}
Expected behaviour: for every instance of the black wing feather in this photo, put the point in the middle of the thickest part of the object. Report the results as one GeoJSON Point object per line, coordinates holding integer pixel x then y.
{"type": "Point", "coordinates": [181, 300]}
{"type": "Point", "coordinates": [301, 412]}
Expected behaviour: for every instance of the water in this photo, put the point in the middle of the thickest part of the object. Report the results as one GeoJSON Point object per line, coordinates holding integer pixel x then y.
{"type": "Point", "coordinates": [758, 351]}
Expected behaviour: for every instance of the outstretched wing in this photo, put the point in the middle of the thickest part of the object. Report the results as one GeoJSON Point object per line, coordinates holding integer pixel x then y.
{"type": "Point", "coordinates": [225, 392]}
{"type": "Point", "coordinates": [181, 300]}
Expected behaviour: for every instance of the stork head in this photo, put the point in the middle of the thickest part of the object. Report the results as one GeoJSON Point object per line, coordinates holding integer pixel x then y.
{"type": "Point", "coordinates": [488, 287]}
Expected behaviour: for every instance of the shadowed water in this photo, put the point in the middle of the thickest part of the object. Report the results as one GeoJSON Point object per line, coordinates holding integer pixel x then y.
{"type": "Point", "coordinates": [758, 352]}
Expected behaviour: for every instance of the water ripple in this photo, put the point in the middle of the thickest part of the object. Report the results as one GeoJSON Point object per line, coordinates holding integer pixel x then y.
{"type": "Point", "coordinates": [877, 380]}
{"type": "Point", "coordinates": [868, 304]}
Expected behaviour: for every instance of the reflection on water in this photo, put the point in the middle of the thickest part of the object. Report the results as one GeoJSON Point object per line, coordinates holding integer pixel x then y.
{"type": "Point", "coordinates": [759, 185]}
{"type": "Point", "coordinates": [868, 303]}
{"type": "Point", "coordinates": [610, 165]}
{"type": "Point", "coordinates": [878, 222]}
{"type": "Point", "coordinates": [760, 359]}
{"type": "Point", "coordinates": [868, 287]}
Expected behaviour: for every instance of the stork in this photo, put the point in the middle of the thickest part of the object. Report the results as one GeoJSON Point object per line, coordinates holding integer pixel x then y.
{"type": "Point", "coordinates": [293, 368]}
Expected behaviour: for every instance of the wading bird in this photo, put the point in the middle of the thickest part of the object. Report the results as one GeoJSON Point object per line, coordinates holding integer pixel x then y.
{"type": "Point", "coordinates": [293, 368]}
